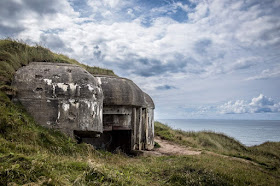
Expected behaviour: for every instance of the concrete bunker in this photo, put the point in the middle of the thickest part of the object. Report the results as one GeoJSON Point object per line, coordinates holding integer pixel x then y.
{"type": "Point", "coordinates": [106, 111]}
{"type": "Point", "coordinates": [61, 96]}
{"type": "Point", "coordinates": [123, 100]}
{"type": "Point", "coordinates": [127, 115]}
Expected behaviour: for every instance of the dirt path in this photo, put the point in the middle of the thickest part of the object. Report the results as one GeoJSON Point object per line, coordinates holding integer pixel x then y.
{"type": "Point", "coordinates": [169, 148]}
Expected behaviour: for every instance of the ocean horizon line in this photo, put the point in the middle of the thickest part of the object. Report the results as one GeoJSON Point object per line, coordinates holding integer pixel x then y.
{"type": "Point", "coordinates": [221, 119]}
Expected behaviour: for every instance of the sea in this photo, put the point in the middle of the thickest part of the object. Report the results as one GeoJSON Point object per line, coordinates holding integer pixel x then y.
{"type": "Point", "coordinates": [248, 132]}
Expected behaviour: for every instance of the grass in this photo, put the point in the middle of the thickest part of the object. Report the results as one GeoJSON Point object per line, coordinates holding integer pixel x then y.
{"type": "Point", "coordinates": [31, 154]}
{"type": "Point", "coordinates": [267, 155]}
{"type": "Point", "coordinates": [204, 140]}
{"type": "Point", "coordinates": [14, 54]}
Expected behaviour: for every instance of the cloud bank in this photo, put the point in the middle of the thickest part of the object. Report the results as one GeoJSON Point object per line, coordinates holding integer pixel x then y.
{"type": "Point", "coordinates": [183, 53]}
{"type": "Point", "coordinates": [194, 37]}
{"type": "Point", "coordinates": [259, 104]}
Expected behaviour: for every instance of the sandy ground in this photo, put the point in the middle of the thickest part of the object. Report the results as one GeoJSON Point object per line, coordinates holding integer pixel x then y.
{"type": "Point", "coordinates": [169, 148]}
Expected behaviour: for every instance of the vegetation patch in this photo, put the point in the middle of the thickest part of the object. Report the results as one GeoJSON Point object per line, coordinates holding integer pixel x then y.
{"type": "Point", "coordinates": [222, 144]}
{"type": "Point", "coordinates": [157, 145]}
{"type": "Point", "coordinates": [14, 54]}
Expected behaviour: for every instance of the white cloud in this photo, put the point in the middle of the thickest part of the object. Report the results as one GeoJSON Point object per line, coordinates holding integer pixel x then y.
{"type": "Point", "coordinates": [130, 12]}
{"type": "Point", "coordinates": [108, 10]}
{"type": "Point", "coordinates": [201, 11]}
{"type": "Point", "coordinates": [266, 74]}
{"type": "Point", "coordinates": [184, 7]}
{"type": "Point", "coordinates": [259, 104]}
{"type": "Point", "coordinates": [221, 23]}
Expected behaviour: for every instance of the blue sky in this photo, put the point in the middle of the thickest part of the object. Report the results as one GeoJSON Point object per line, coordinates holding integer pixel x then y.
{"type": "Point", "coordinates": [197, 59]}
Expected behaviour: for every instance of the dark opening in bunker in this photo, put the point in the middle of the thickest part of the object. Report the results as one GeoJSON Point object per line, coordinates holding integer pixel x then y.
{"type": "Point", "coordinates": [39, 89]}
{"type": "Point", "coordinates": [116, 140]}
{"type": "Point", "coordinates": [121, 140]}
{"type": "Point", "coordinates": [38, 76]}
{"type": "Point", "coordinates": [80, 135]}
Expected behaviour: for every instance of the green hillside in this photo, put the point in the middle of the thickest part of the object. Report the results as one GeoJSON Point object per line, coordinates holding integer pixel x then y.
{"type": "Point", "coordinates": [31, 154]}
{"type": "Point", "coordinates": [14, 54]}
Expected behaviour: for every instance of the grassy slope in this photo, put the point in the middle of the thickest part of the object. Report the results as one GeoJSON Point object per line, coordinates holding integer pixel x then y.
{"type": "Point", "coordinates": [267, 155]}
{"type": "Point", "coordinates": [30, 153]}
{"type": "Point", "coordinates": [14, 54]}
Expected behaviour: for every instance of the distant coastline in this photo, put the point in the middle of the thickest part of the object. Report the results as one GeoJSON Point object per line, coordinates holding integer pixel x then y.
{"type": "Point", "coordinates": [248, 132]}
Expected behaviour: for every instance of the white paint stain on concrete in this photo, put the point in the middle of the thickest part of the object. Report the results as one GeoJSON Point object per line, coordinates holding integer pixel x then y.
{"type": "Point", "coordinates": [62, 86]}
{"type": "Point", "coordinates": [65, 107]}
{"type": "Point", "coordinates": [53, 90]}
{"type": "Point", "coordinates": [58, 115]}
{"type": "Point", "coordinates": [99, 80]}
{"type": "Point", "coordinates": [73, 86]}
{"type": "Point", "coordinates": [99, 90]}
{"type": "Point", "coordinates": [74, 103]}
{"type": "Point", "coordinates": [48, 81]}
{"type": "Point", "coordinates": [100, 114]}
{"type": "Point", "coordinates": [90, 88]}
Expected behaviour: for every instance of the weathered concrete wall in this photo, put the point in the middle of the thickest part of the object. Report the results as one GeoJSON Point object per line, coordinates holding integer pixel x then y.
{"type": "Point", "coordinates": [149, 123]}
{"type": "Point", "coordinates": [120, 91]}
{"type": "Point", "coordinates": [150, 133]}
{"type": "Point", "coordinates": [117, 118]}
{"type": "Point", "coordinates": [137, 132]}
{"type": "Point", "coordinates": [61, 96]}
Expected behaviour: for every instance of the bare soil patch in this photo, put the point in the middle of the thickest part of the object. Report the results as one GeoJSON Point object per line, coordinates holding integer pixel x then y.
{"type": "Point", "coordinates": [170, 148]}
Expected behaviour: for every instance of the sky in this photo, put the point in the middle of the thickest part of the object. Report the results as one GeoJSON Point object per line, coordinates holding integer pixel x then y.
{"type": "Point", "coordinates": [197, 59]}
